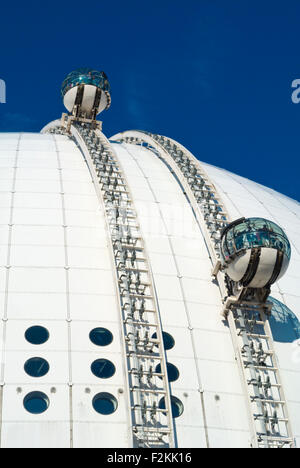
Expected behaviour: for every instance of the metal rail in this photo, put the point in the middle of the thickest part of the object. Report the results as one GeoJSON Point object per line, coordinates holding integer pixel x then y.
{"type": "Point", "coordinates": [149, 399]}
{"type": "Point", "coordinates": [247, 317]}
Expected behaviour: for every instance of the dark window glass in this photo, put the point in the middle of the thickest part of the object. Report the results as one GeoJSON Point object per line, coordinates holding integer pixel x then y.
{"type": "Point", "coordinates": [85, 76]}
{"type": "Point", "coordinates": [103, 368]}
{"type": "Point", "coordinates": [254, 232]}
{"type": "Point", "coordinates": [168, 339]}
{"type": "Point", "coordinates": [173, 372]}
{"type": "Point", "coordinates": [176, 405]}
{"type": "Point", "coordinates": [37, 335]}
{"type": "Point", "coordinates": [36, 402]}
{"type": "Point", "coordinates": [101, 336]}
{"type": "Point", "coordinates": [105, 403]}
{"type": "Point", "coordinates": [36, 367]}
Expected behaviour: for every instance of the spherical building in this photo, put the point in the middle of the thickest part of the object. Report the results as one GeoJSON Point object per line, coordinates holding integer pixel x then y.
{"type": "Point", "coordinates": [122, 325]}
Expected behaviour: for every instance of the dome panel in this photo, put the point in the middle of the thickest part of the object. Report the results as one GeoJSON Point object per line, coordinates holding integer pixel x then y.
{"type": "Point", "coordinates": [58, 272]}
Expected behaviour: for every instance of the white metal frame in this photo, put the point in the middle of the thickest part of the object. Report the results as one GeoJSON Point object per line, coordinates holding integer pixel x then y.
{"type": "Point", "coordinates": [143, 434]}
{"type": "Point", "coordinates": [234, 306]}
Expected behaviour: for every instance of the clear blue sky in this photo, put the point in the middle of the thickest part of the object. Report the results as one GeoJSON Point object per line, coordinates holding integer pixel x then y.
{"type": "Point", "coordinates": [214, 74]}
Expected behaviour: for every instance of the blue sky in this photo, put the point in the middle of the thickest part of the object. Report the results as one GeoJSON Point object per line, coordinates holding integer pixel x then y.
{"type": "Point", "coordinates": [215, 75]}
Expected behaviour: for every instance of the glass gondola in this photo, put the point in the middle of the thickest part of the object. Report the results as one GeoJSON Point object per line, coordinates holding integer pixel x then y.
{"type": "Point", "coordinates": [254, 251]}
{"type": "Point", "coordinates": [85, 76]}
{"type": "Point", "coordinates": [253, 232]}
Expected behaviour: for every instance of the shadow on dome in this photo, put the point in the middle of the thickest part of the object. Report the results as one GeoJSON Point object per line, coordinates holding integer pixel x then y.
{"type": "Point", "coordinates": [284, 323]}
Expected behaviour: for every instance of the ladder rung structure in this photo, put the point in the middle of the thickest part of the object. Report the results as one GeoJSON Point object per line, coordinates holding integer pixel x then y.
{"type": "Point", "coordinates": [142, 324]}
{"type": "Point", "coordinates": [143, 390]}
{"type": "Point", "coordinates": [249, 326]}
{"type": "Point", "coordinates": [152, 424]}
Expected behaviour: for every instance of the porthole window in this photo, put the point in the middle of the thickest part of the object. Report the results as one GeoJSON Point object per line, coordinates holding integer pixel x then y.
{"type": "Point", "coordinates": [37, 335]}
{"type": "Point", "coordinates": [101, 336]}
{"type": "Point", "coordinates": [176, 405]}
{"type": "Point", "coordinates": [36, 402]}
{"type": "Point", "coordinates": [168, 340]}
{"type": "Point", "coordinates": [36, 367]}
{"type": "Point", "coordinates": [105, 403]}
{"type": "Point", "coordinates": [103, 368]}
{"type": "Point", "coordinates": [173, 372]}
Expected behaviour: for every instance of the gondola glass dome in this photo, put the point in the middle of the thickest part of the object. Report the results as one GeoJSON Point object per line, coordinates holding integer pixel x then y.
{"type": "Point", "coordinates": [255, 251]}
{"type": "Point", "coordinates": [86, 76]}
{"type": "Point", "coordinates": [86, 92]}
{"type": "Point", "coordinates": [253, 232]}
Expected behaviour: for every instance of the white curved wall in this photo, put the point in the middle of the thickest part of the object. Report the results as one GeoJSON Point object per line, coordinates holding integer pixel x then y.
{"type": "Point", "coordinates": [243, 197]}
{"type": "Point", "coordinates": [190, 303]}
{"type": "Point", "coordinates": [190, 306]}
{"type": "Point", "coordinates": [56, 271]}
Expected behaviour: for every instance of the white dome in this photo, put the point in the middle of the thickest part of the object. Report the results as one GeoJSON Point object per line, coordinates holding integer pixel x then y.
{"type": "Point", "coordinates": [57, 272]}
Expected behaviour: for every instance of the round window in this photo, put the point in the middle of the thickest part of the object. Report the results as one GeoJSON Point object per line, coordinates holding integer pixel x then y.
{"type": "Point", "coordinates": [176, 405]}
{"type": "Point", "coordinates": [173, 372]}
{"type": "Point", "coordinates": [101, 336]}
{"type": "Point", "coordinates": [36, 402]}
{"type": "Point", "coordinates": [37, 335]}
{"type": "Point", "coordinates": [36, 367]}
{"type": "Point", "coordinates": [168, 340]}
{"type": "Point", "coordinates": [105, 403]}
{"type": "Point", "coordinates": [103, 368]}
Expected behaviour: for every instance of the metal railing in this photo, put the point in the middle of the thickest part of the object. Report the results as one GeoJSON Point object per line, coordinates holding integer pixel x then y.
{"type": "Point", "coordinates": [149, 397]}
{"type": "Point", "coordinates": [247, 314]}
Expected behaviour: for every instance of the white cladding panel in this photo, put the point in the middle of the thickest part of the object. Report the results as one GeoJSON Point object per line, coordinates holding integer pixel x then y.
{"type": "Point", "coordinates": [56, 271]}
{"type": "Point", "coordinates": [246, 198]}
{"type": "Point", "coordinates": [190, 302]}
{"type": "Point", "coordinates": [190, 306]}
